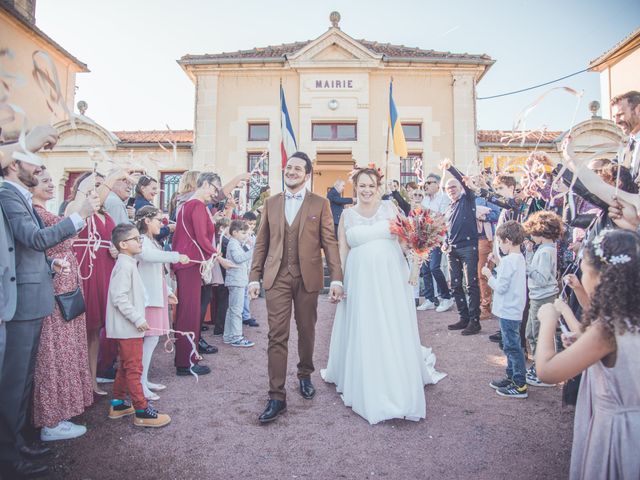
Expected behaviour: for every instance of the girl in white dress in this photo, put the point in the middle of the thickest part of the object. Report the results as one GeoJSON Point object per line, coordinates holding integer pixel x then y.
{"type": "Point", "coordinates": [376, 360]}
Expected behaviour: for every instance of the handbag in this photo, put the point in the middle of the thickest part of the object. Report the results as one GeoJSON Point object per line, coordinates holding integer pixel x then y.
{"type": "Point", "coordinates": [71, 304]}
{"type": "Point", "coordinates": [209, 276]}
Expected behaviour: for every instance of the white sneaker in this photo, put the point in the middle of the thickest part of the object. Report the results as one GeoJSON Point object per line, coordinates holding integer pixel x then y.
{"type": "Point", "coordinates": [156, 387]}
{"type": "Point", "coordinates": [63, 431]}
{"type": "Point", "coordinates": [445, 304]}
{"type": "Point", "coordinates": [149, 395]}
{"type": "Point", "coordinates": [427, 305]}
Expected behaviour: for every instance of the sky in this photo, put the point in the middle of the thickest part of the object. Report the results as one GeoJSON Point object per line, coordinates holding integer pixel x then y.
{"type": "Point", "coordinates": [131, 47]}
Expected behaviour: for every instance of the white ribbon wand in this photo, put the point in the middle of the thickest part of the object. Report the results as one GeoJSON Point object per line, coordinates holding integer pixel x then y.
{"type": "Point", "coordinates": [169, 345]}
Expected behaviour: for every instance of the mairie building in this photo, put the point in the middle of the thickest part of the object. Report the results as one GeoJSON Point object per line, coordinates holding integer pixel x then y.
{"type": "Point", "coordinates": [337, 93]}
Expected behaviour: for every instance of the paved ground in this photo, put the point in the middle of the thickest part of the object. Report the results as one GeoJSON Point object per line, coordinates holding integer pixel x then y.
{"type": "Point", "coordinates": [469, 431]}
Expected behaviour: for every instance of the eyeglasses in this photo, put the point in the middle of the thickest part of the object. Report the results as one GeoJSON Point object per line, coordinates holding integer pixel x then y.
{"type": "Point", "coordinates": [137, 239]}
{"type": "Point", "coordinates": [430, 182]}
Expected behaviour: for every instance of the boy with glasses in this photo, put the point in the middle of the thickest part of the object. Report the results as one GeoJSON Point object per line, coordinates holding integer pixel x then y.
{"type": "Point", "coordinates": [126, 323]}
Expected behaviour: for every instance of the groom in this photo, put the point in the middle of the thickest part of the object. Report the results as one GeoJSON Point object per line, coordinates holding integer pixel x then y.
{"type": "Point", "coordinates": [295, 225]}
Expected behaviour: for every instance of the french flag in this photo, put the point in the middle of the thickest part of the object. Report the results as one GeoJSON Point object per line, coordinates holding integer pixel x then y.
{"type": "Point", "coordinates": [288, 145]}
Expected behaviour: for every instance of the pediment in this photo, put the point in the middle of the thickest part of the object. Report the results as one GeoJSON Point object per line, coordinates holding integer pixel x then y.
{"type": "Point", "coordinates": [86, 134]}
{"type": "Point", "coordinates": [334, 49]}
{"type": "Point", "coordinates": [334, 53]}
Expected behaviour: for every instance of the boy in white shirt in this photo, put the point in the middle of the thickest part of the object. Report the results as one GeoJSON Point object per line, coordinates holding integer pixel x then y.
{"type": "Point", "coordinates": [509, 287]}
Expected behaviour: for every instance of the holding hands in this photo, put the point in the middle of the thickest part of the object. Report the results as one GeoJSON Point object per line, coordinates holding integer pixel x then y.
{"type": "Point", "coordinates": [254, 291]}
{"type": "Point", "coordinates": [336, 293]}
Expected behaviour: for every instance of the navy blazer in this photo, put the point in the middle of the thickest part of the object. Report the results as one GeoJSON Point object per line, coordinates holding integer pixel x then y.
{"type": "Point", "coordinates": [337, 203]}
{"type": "Point", "coordinates": [33, 273]}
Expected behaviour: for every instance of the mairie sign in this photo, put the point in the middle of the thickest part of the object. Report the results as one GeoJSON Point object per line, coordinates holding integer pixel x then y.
{"type": "Point", "coordinates": [333, 84]}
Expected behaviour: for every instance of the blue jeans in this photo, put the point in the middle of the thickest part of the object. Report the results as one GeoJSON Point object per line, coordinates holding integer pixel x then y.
{"type": "Point", "coordinates": [512, 348]}
{"type": "Point", "coordinates": [246, 310]}
{"type": "Point", "coordinates": [464, 262]}
{"type": "Point", "coordinates": [233, 320]}
{"type": "Point", "coordinates": [431, 271]}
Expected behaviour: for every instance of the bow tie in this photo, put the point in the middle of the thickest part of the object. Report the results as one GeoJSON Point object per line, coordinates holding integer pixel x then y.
{"type": "Point", "coordinates": [293, 196]}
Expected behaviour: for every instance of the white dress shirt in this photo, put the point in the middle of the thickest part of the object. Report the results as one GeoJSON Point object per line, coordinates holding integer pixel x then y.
{"type": "Point", "coordinates": [634, 141]}
{"type": "Point", "coordinates": [292, 204]}
{"type": "Point", "coordinates": [439, 203]}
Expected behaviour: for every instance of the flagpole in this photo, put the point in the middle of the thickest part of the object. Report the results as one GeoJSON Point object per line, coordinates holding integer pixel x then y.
{"type": "Point", "coordinates": [386, 153]}
{"type": "Point", "coordinates": [281, 137]}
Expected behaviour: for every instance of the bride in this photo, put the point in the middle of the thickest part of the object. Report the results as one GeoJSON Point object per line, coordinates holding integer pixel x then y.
{"type": "Point", "coordinates": [375, 359]}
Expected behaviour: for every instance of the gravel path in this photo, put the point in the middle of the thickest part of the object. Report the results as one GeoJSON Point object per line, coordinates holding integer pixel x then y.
{"type": "Point", "coordinates": [469, 431]}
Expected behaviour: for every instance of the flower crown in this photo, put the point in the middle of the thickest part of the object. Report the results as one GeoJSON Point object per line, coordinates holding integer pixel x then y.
{"type": "Point", "coordinates": [614, 259]}
{"type": "Point", "coordinates": [370, 166]}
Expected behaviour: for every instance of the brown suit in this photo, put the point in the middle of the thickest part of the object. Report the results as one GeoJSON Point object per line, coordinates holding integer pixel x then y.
{"type": "Point", "coordinates": [288, 260]}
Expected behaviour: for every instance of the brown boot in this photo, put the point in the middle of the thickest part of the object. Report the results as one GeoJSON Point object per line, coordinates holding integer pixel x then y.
{"type": "Point", "coordinates": [485, 315]}
{"type": "Point", "coordinates": [151, 418]}
{"type": "Point", "coordinates": [121, 410]}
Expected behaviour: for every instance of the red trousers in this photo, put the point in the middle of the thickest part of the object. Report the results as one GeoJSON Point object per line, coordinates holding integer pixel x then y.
{"type": "Point", "coordinates": [187, 313]}
{"type": "Point", "coordinates": [130, 371]}
{"type": "Point", "coordinates": [107, 354]}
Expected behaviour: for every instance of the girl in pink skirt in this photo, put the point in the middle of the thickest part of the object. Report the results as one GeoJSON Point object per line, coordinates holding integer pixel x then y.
{"type": "Point", "coordinates": [151, 267]}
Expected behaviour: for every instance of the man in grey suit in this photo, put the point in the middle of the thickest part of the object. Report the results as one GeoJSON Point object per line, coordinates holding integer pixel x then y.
{"type": "Point", "coordinates": [7, 280]}
{"type": "Point", "coordinates": [34, 300]}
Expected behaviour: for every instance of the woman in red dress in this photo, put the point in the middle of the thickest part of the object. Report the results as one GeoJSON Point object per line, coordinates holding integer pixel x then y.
{"type": "Point", "coordinates": [194, 237]}
{"type": "Point", "coordinates": [62, 382]}
{"type": "Point", "coordinates": [95, 257]}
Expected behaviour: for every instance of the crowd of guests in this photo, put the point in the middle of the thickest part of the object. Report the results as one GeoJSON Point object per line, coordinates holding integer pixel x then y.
{"type": "Point", "coordinates": [86, 294]}
{"type": "Point", "coordinates": [555, 257]}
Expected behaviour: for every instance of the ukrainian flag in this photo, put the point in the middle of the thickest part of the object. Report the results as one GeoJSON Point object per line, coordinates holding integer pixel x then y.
{"type": "Point", "coordinates": [399, 143]}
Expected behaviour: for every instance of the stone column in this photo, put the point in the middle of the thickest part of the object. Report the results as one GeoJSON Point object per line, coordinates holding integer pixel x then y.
{"type": "Point", "coordinates": [464, 122]}
{"type": "Point", "coordinates": [204, 146]}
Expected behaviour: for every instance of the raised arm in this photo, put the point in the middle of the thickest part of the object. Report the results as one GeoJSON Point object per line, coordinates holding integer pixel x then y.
{"type": "Point", "coordinates": [27, 232]}
{"type": "Point", "coordinates": [39, 137]}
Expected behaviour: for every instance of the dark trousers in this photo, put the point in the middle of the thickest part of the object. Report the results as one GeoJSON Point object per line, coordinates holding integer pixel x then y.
{"type": "Point", "coordinates": [464, 262]}
{"type": "Point", "coordinates": [221, 296]}
{"type": "Point", "coordinates": [16, 382]}
{"type": "Point", "coordinates": [187, 313]}
{"type": "Point", "coordinates": [206, 299]}
{"type": "Point", "coordinates": [431, 271]}
{"type": "Point", "coordinates": [130, 372]}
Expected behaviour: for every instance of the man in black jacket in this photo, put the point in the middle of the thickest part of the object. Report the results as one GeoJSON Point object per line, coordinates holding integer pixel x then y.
{"type": "Point", "coordinates": [337, 202]}
{"type": "Point", "coordinates": [461, 246]}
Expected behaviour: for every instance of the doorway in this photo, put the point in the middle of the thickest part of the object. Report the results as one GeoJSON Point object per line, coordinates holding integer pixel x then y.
{"type": "Point", "coordinates": [330, 167]}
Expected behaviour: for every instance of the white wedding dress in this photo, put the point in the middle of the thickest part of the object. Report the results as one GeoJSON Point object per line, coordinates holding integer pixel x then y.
{"type": "Point", "coordinates": [376, 360]}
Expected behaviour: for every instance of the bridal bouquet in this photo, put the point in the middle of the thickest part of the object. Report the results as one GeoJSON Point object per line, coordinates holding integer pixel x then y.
{"type": "Point", "coordinates": [422, 231]}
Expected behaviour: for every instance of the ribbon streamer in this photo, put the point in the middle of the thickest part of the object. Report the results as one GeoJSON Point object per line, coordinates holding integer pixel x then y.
{"type": "Point", "coordinates": [169, 345]}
